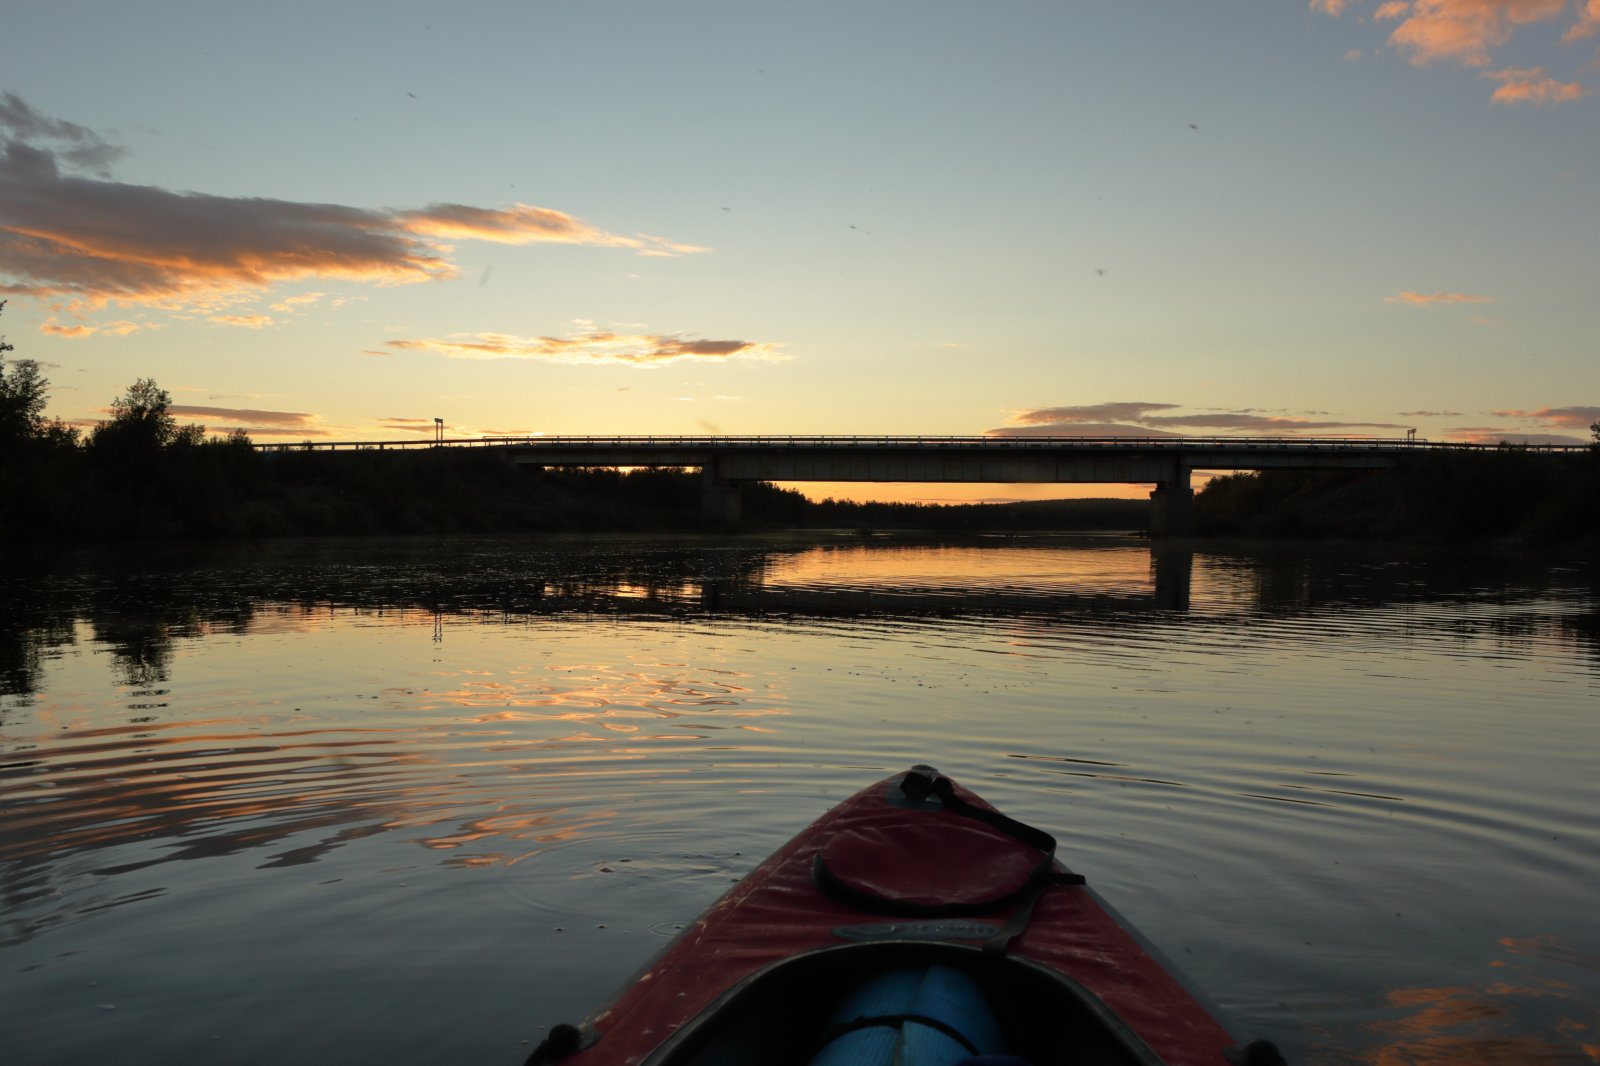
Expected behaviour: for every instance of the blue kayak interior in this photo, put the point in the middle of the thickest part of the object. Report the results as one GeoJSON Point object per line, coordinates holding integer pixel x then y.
{"type": "Point", "coordinates": [907, 1004]}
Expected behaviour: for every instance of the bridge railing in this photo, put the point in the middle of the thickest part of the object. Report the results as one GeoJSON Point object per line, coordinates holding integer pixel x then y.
{"type": "Point", "coordinates": [998, 443]}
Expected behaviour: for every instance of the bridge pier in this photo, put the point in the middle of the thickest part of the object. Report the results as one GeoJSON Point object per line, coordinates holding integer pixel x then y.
{"type": "Point", "coordinates": [719, 499]}
{"type": "Point", "coordinates": [1172, 507]}
{"type": "Point", "coordinates": [1174, 573]}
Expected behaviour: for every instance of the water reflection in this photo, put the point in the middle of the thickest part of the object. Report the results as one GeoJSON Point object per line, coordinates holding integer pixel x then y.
{"type": "Point", "coordinates": [468, 705]}
{"type": "Point", "coordinates": [138, 615]}
{"type": "Point", "coordinates": [1482, 1024]}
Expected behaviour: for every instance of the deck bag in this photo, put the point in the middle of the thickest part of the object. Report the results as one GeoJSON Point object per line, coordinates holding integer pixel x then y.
{"type": "Point", "coordinates": [916, 1016]}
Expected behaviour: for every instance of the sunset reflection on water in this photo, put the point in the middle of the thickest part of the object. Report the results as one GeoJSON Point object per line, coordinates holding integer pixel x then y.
{"type": "Point", "coordinates": [1480, 1024]}
{"type": "Point", "coordinates": [430, 755]}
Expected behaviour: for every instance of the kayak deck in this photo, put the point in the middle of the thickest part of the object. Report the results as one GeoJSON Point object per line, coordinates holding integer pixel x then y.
{"type": "Point", "coordinates": [913, 871]}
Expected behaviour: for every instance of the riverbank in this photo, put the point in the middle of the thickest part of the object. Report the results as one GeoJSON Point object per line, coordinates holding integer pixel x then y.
{"type": "Point", "coordinates": [1509, 496]}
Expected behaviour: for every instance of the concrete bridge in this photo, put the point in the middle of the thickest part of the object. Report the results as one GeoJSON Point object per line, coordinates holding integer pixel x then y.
{"type": "Point", "coordinates": [1165, 462]}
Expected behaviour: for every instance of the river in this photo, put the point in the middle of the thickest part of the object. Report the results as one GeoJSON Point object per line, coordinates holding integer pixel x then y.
{"type": "Point", "coordinates": [413, 801]}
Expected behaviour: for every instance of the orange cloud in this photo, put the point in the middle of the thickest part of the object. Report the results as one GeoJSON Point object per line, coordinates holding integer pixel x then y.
{"type": "Point", "coordinates": [1330, 7]}
{"type": "Point", "coordinates": [68, 233]}
{"type": "Point", "coordinates": [1562, 417]}
{"type": "Point", "coordinates": [1533, 86]}
{"type": "Point", "coordinates": [1421, 299]}
{"type": "Point", "coordinates": [1587, 25]}
{"type": "Point", "coordinates": [244, 321]}
{"type": "Point", "coordinates": [526, 224]}
{"type": "Point", "coordinates": [57, 330]}
{"type": "Point", "coordinates": [119, 328]}
{"type": "Point", "coordinates": [642, 350]}
{"type": "Point", "coordinates": [1462, 30]}
{"type": "Point", "coordinates": [293, 303]}
{"type": "Point", "coordinates": [1481, 435]}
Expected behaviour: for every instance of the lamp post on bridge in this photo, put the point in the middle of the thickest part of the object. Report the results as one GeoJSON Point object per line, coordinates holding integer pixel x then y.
{"type": "Point", "coordinates": [438, 431]}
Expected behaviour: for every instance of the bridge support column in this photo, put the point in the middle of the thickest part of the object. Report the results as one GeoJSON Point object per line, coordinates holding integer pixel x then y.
{"type": "Point", "coordinates": [719, 499]}
{"type": "Point", "coordinates": [1172, 507]}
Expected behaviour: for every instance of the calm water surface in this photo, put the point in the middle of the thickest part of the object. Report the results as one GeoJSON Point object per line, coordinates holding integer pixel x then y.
{"type": "Point", "coordinates": [413, 801]}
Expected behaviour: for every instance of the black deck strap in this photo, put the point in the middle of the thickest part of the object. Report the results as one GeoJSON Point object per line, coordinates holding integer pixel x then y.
{"type": "Point", "coordinates": [916, 784]}
{"type": "Point", "coordinates": [561, 1041]}
{"type": "Point", "coordinates": [1000, 942]}
{"type": "Point", "coordinates": [898, 1021]}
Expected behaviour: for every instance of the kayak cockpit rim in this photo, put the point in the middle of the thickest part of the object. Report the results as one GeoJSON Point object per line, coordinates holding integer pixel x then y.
{"type": "Point", "coordinates": [785, 1005]}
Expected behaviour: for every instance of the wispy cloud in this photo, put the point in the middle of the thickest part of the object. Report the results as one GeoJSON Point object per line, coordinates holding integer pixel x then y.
{"type": "Point", "coordinates": [243, 321]}
{"type": "Point", "coordinates": [68, 232]}
{"type": "Point", "coordinates": [288, 419]}
{"type": "Point", "coordinates": [1502, 435]}
{"type": "Point", "coordinates": [1542, 425]}
{"type": "Point", "coordinates": [1120, 411]}
{"type": "Point", "coordinates": [1556, 417]}
{"type": "Point", "coordinates": [1588, 23]}
{"type": "Point", "coordinates": [78, 146]}
{"type": "Point", "coordinates": [1145, 419]}
{"type": "Point", "coordinates": [1426, 299]}
{"type": "Point", "coordinates": [1466, 31]}
{"type": "Point", "coordinates": [1469, 32]}
{"type": "Point", "coordinates": [1533, 85]}
{"type": "Point", "coordinates": [257, 423]}
{"type": "Point", "coordinates": [594, 348]}
{"type": "Point", "coordinates": [292, 304]}
{"type": "Point", "coordinates": [525, 224]}
{"type": "Point", "coordinates": [409, 425]}
{"type": "Point", "coordinates": [119, 328]}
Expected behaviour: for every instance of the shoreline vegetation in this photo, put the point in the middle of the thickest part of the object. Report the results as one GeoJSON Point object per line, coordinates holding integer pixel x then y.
{"type": "Point", "coordinates": [140, 476]}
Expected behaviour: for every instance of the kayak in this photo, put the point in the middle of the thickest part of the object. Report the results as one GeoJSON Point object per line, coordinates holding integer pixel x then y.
{"type": "Point", "coordinates": [911, 925]}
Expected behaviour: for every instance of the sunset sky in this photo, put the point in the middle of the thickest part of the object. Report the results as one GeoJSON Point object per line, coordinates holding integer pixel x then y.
{"type": "Point", "coordinates": [340, 221]}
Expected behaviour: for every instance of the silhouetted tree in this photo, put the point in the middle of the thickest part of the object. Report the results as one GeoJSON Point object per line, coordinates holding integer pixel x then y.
{"type": "Point", "coordinates": [141, 419]}
{"type": "Point", "coordinates": [24, 391]}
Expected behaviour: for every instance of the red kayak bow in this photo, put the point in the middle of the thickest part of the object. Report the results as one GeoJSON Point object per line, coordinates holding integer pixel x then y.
{"type": "Point", "coordinates": [915, 923]}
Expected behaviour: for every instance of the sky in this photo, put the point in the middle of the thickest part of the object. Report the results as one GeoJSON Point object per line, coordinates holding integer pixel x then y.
{"type": "Point", "coordinates": [340, 221]}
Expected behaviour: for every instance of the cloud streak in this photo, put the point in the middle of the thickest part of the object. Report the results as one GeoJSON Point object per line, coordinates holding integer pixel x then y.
{"type": "Point", "coordinates": [594, 348]}
{"type": "Point", "coordinates": [68, 232]}
{"type": "Point", "coordinates": [1146, 419]}
{"type": "Point", "coordinates": [283, 419]}
{"type": "Point", "coordinates": [255, 422]}
{"type": "Point", "coordinates": [1556, 417]}
{"type": "Point", "coordinates": [1533, 85]}
{"type": "Point", "coordinates": [1491, 435]}
{"type": "Point", "coordinates": [1427, 299]}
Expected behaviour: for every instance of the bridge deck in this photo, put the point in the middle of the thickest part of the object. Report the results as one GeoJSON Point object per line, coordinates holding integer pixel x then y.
{"type": "Point", "coordinates": [1389, 445]}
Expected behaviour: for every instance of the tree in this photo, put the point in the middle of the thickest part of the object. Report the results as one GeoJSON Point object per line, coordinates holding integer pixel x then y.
{"type": "Point", "coordinates": [1594, 428]}
{"type": "Point", "coordinates": [24, 391]}
{"type": "Point", "coordinates": [141, 420]}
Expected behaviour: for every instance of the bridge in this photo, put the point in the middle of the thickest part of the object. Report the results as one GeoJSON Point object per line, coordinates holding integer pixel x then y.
{"type": "Point", "coordinates": [1165, 462]}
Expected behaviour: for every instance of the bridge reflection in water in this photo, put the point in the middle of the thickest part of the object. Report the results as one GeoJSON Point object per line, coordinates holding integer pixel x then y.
{"type": "Point", "coordinates": [1168, 463]}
